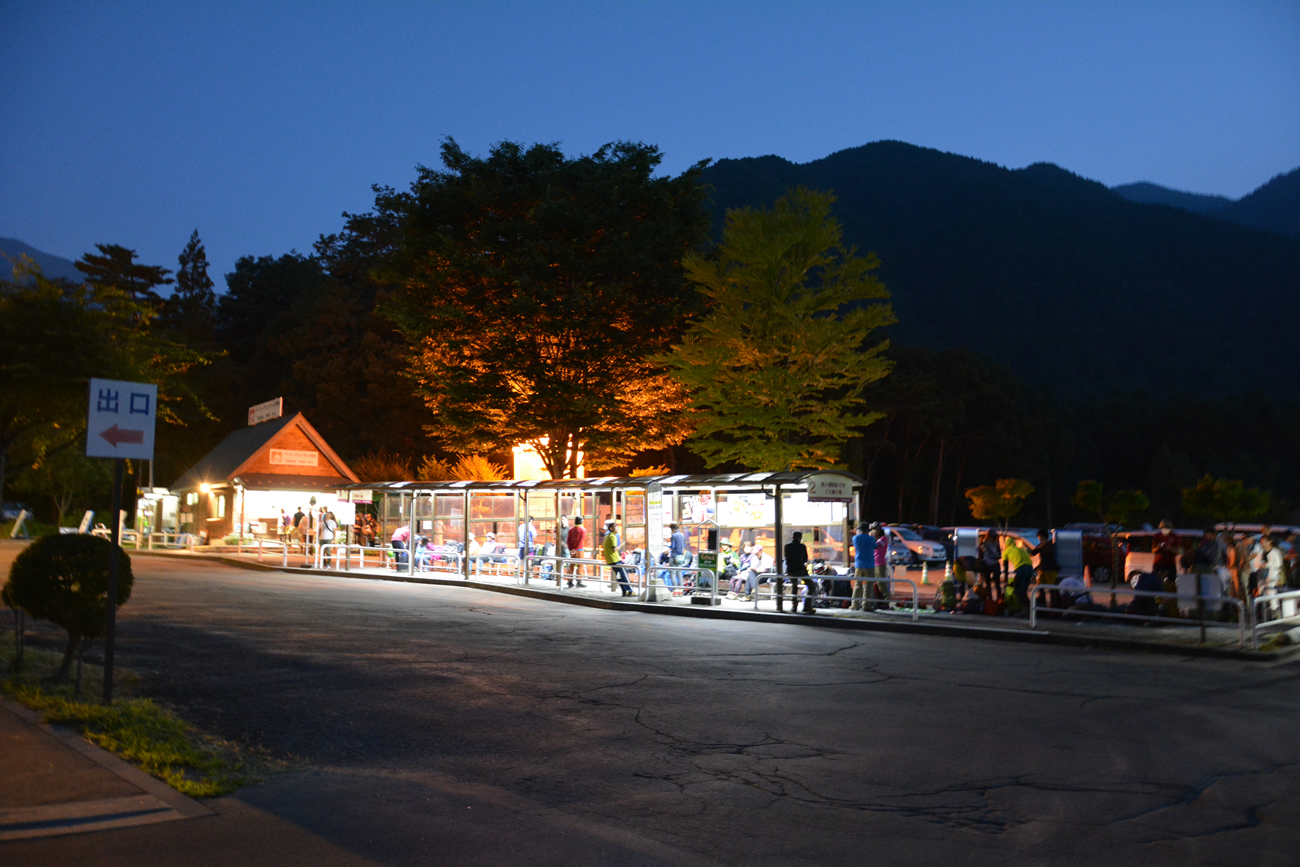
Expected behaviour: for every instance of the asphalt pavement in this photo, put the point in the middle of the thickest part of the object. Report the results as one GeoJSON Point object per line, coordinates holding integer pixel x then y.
{"type": "Point", "coordinates": [448, 725]}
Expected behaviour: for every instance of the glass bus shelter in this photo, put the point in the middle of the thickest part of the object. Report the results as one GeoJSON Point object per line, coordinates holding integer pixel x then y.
{"type": "Point", "coordinates": [740, 508]}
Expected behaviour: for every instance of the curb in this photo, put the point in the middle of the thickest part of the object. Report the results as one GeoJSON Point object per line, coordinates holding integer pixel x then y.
{"type": "Point", "coordinates": [157, 802]}
{"type": "Point", "coordinates": [949, 630]}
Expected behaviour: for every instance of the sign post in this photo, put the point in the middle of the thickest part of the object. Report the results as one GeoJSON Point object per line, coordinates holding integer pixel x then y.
{"type": "Point", "coordinates": [119, 425]}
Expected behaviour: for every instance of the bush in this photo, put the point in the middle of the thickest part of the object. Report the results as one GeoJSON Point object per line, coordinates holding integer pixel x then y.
{"type": "Point", "coordinates": [64, 579]}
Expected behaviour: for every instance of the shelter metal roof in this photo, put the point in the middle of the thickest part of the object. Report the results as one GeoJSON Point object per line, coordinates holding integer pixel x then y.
{"type": "Point", "coordinates": [724, 481]}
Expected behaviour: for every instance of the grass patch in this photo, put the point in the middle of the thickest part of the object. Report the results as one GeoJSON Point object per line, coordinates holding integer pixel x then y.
{"type": "Point", "coordinates": [136, 729]}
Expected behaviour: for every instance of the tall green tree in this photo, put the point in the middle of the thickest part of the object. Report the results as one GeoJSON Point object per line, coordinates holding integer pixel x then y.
{"type": "Point", "coordinates": [192, 307]}
{"type": "Point", "coordinates": [535, 291]}
{"type": "Point", "coordinates": [115, 268]}
{"type": "Point", "coordinates": [776, 368]}
{"type": "Point", "coordinates": [55, 336]}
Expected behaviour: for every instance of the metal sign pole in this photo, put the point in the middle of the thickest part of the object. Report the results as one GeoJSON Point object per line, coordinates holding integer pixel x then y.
{"type": "Point", "coordinates": [111, 614]}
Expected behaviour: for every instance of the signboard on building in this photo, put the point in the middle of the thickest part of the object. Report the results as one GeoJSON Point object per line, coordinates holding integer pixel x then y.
{"type": "Point", "coordinates": [361, 495]}
{"type": "Point", "coordinates": [266, 411]}
{"type": "Point", "coordinates": [120, 419]}
{"type": "Point", "coordinates": [829, 488]}
{"type": "Point", "coordinates": [292, 458]}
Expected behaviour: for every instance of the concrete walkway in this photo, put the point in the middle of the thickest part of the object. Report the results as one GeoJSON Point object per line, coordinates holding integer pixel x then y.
{"type": "Point", "coordinates": [53, 782]}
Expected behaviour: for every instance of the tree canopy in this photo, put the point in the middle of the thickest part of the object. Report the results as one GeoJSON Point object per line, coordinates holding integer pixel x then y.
{"type": "Point", "coordinates": [536, 289]}
{"type": "Point", "coordinates": [776, 368]}
{"type": "Point", "coordinates": [1000, 501]}
{"type": "Point", "coordinates": [55, 336]}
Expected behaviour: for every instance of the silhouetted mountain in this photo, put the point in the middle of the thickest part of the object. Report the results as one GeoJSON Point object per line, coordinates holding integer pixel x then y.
{"type": "Point", "coordinates": [1056, 276]}
{"type": "Point", "coordinates": [1153, 194]}
{"type": "Point", "coordinates": [1274, 206]}
{"type": "Point", "coordinates": [51, 265]}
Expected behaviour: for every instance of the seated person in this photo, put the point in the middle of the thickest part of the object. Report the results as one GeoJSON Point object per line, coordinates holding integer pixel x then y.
{"type": "Point", "coordinates": [1073, 591]}
{"type": "Point", "coordinates": [1146, 606]}
{"type": "Point", "coordinates": [491, 550]}
{"type": "Point", "coordinates": [422, 554]}
{"type": "Point", "coordinates": [760, 563]}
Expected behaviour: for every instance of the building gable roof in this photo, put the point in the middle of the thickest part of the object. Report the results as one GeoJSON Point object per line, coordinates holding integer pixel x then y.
{"type": "Point", "coordinates": [238, 450]}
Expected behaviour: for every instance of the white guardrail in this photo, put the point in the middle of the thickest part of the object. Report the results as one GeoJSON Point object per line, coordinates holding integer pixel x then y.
{"type": "Point", "coordinates": [1285, 605]}
{"type": "Point", "coordinates": [645, 579]}
{"type": "Point", "coordinates": [771, 595]}
{"type": "Point", "coordinates": [1209, 606]}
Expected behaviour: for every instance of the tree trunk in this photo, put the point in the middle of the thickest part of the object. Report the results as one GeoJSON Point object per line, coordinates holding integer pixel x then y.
{"type": "Point", "coordinates": [69, 653]}
{"type": "Point", "coordinates": [956, 497]}
{"type": "Point", "coordinates": [902, 474]}
{"type": "Point", "coordinates": [938, 478]}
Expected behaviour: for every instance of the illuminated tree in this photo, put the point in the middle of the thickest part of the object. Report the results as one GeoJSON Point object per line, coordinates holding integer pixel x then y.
{"type": "Point", "coordinates": [999, 501]}
{"type": "Point", "coordinates": [535, 291]}
{"type": "Point", "coordinates": [776, 369]}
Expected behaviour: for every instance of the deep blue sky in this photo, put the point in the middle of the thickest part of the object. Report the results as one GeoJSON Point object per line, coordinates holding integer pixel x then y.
{"type": "Point", "coordinates": [259, 123]}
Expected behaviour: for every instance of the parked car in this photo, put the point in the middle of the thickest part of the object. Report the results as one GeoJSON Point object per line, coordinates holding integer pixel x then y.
{"type": "Point", "coordinates": [1098, 549]}
{"type": "Point", "coordinates": [1137, 547]}
{"type": "Point", "coordinates": [908, 546]}
{"type": "Point", "coordinates": [935, 534]}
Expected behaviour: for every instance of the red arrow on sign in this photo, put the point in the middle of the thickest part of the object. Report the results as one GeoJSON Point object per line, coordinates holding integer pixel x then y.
{"type": "Point", "coordinates": [116, 435]}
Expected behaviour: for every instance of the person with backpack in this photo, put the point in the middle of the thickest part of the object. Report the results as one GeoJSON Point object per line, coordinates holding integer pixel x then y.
{"type": "Point", "coordinates": [328, 527]}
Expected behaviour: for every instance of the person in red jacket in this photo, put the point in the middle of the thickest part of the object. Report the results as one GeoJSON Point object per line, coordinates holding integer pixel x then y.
{"type": "Point", "coordinates": [577, 542]}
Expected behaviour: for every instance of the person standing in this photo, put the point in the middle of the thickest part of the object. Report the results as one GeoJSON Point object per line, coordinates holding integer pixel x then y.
{"type": "Point", "coordinates": [401, 538]}
{"type": "Point", "coordinates": [307, 531]}
{"type": "Point", "coordinates": [294, 535]}
{"type": "Point", "coordinates": [1049, 568]}
{"type": "Point", "coordinates": [677, 545]}
{"type": "Point", "coordinates": [881, 589]}
{"type": "Point", "coordinates": [1022, 570]}
{"type": "Point", "coordinates": [612, 549]}
{"type": "Point", "coordinates": [796, 566]}
{"type": "Point", "coordinates": [328, 527]}
{"type": "Point", "coordinates": [1167, 548]}
{"type": "Point", "coordinates": [991, 561]}
{"type": "Point", "coordinates": [864, 550]}
{"type": "Point", "coordinates": [577, 542]}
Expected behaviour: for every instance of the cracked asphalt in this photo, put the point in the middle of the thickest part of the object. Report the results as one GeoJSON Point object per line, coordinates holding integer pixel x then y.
{"type": "Point", "coordinates": [436, 725]}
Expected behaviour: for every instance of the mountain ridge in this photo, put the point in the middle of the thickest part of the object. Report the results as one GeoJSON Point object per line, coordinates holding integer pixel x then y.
{"type": "Point", "coordinates": [1052, 274]}
{"type": "Point", "coordinates": [51, 265]}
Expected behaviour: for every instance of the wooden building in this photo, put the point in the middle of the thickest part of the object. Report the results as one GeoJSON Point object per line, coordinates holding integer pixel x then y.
{"type": "Point", "coordinates": [254, 474]}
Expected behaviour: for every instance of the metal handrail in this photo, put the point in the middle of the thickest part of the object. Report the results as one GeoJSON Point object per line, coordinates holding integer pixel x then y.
{"type": "Point", "coordinates": [1118, 589]}
{"type": "Point", "coordinates": [526, 566]}
{"type": "Point", "coordinates": [1256, 624]}
{"type": "Point", "coordinates": [915, 596]}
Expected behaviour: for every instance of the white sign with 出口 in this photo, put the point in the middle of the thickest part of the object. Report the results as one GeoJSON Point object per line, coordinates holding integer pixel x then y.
{"type": "Point", "coordinates": [291, 458]}
{"type": "Point", "coordinates": [120, 419]}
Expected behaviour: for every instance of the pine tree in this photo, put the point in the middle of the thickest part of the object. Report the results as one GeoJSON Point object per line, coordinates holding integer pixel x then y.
{"type": "Point", "coordinates": [777, 366]}
{"type": "Point", "coordinates": [194, 303]}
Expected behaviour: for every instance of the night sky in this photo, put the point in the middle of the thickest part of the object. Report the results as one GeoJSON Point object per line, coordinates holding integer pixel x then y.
{"type": "Point", "coordinates": [259, 123]}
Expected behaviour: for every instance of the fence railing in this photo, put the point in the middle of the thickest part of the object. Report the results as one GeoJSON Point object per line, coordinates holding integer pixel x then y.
{"type": "Point", "coordinates": [1279, 603]}
{"type": "Point", "coordinates": [764, 579]}
{"type": "Point", "coordinates": [1160, 597]}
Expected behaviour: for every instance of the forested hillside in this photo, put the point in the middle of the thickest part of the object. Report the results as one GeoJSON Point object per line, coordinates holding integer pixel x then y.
{"type": "Point", "coordinates": [1061, 279]}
